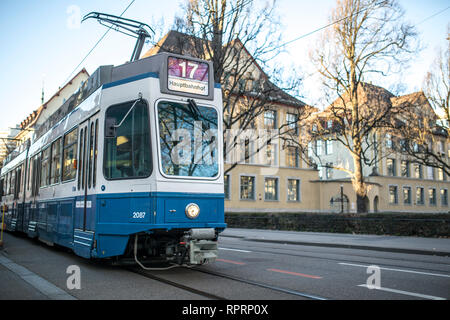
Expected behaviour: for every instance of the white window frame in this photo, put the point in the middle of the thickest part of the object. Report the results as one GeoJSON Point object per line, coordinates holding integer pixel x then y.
{"type": "Point", "coordinates": [254, 186]}
{"type": "Point", "coordinates": [299, 191]}
{"type": "Point", "coordinates": [277, 188]}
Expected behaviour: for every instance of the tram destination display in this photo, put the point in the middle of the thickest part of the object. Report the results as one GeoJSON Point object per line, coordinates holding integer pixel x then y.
{"type": "Point", "coordinates": [188, 76]}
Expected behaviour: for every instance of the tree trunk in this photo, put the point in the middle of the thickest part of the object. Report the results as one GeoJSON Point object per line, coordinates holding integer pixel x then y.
{"type": "Point", "coordinates": [359, 186]}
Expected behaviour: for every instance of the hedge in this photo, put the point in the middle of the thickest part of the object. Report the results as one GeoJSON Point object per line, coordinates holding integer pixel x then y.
{"type": "Point", "coordinates": [398, 224]}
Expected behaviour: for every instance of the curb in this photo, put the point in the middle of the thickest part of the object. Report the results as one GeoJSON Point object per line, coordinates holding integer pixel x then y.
{"type": "Point", "coordinates": [347, 246]}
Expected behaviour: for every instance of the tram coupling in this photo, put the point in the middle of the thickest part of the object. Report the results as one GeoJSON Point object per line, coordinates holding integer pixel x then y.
{"type": "Point", "coordinates": [202, 245]}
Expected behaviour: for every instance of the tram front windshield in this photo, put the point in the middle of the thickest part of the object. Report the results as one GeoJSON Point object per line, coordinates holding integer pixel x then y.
{"type": "Point", "coordinates": [188, 140]}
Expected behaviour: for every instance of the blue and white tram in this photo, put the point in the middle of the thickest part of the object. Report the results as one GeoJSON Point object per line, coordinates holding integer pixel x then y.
{"type": "Point", "coordinates": [133, 171]}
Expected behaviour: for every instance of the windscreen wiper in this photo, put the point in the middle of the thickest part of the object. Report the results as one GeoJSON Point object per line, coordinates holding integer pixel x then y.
{"type": "Point", "coordinates": [194, 108]}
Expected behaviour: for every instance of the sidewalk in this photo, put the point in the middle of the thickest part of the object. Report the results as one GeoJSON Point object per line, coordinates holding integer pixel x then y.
{"type": "Point", "coordinates": [413, 245]}
{"type": "Point", "coordinates": [19, 283]}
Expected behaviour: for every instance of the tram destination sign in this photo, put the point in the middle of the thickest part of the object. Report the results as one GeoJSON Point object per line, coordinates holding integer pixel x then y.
{"type": "Point", "coordinates": [188, 76]}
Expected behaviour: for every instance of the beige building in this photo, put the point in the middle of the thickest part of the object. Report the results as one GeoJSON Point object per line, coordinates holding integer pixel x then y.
{"type": "Point", "coordinates": [7, 143]}
{"type": "Point", "coordinates": [396, 181]}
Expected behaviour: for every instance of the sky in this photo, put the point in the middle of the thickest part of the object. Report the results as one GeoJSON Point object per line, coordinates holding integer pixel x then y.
{"type": "Point", "coordinates": [43, 42]}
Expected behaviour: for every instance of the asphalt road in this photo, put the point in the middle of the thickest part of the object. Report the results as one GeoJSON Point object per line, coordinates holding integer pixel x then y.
{"type": "Point", "coordinates": [245, 270]}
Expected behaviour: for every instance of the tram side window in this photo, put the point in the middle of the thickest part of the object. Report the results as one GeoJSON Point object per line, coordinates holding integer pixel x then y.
{"type": "Point", "coordinates": [80, 160]}
{"type": "Point", "coordinates": [70, 155]}
{"type": "Point", "coordinates": [95, 154]}
{"type": "Point", "coordinates": [18, 182]}
{"type": "Point", "coordinates": [4, 185]}
{"type": "Point", "coordinates": [45, 169]}
{"type": "Point", "coordinates": [55, 168]}
{"type": "Point", "coordinates": [13, 182]}
{"type": "Point", "coordinates": [36, 176]}
{"type": "Point", "coordinates": [91, 153]}
{"type": "Point", "coordinates": [8, 183]}
{"type": "Point", "coordinates": [127, 154]}
{"type": "Point", "coordinates": [29, 168]}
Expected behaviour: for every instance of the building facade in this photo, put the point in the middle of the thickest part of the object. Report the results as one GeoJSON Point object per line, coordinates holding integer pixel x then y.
{"type": "Point", "coordinates": [396, 180]}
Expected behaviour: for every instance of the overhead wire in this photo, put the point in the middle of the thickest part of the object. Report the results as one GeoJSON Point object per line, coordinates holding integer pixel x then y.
{"type": "Point", "coordinates": [97, 43]}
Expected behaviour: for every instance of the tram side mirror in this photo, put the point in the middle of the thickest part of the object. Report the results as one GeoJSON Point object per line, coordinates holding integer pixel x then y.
{"type": "Point", "coordinates": [110, 128]}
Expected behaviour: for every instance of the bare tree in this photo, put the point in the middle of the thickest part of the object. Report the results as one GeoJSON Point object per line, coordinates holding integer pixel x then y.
{"type": "Point", "coordinates": [437, 85]}
{"type": "Point", "coordinates": [241, 38]}
{"type": "Point", "coordinates": [368, 37]}
{"type": "Point", "coordinates": [427, 116]}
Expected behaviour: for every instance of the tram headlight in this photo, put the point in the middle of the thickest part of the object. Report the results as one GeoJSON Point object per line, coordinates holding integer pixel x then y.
{"type": "Point", "coordinates": [192, 210]}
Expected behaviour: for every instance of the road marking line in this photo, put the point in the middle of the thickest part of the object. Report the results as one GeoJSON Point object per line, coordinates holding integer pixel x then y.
{"type": "Point", "coordinates": [404, 292]}
{"type": "Point", "coordinates": [238, 250]}
{"type": "Point", "coordinates": [39, 283]}
{"type": "Point", "coordinates": [400, 270]}
{"type": "Point", "coordinates": [230, 261]}
{"type": "Point", "coordinates": [295, 273]}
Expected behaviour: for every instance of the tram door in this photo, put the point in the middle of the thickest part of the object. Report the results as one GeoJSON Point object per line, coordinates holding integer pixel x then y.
{"type": "Point", "coordinates": [87, 172]}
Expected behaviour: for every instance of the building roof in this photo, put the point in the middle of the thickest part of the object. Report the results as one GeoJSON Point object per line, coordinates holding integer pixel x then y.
{"type": "Point", "coordinates": [368, 94]}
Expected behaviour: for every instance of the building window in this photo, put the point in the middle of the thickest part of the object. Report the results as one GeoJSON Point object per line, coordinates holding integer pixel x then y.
{"type": "Point", "coordinates": [329, 124]}
{"type": "Point", "coordinates": [430, 173]}
{"type": "Point", "coordinates": [329, 170]}
{"type": "Point", "coordinates": [310, 149]}
{"type": "Point", "coordinates": [247, 154]}
{"type": "Point", "coordinates": [444, 197]}
{"type": "Point", "coordinates": [328, 147]}
{"type": "Point", "coordinates": [393, 196]}
{"type": "Point", "coordinates": [418, 174]}
{"type": "Point", "coordinates": [403, 145]}
{"type": "Point", "coordinates": [389, 142]}
{"type": "Point", "coordinates": [390, 163]}
{"type": "Point", "coordinates": [292, 157]}
{"type": "Point", "coordinates": [270, 119]}
{"type": "Point", "coordinates": [406, 195]}
{"type": "Point", "coordinates": [432, 196]}
{"type": "Point", "coordinates": [293, 190]}
{"type": "Point", "coordinates": [270, 153]}
{"type": "Point", "coordinates": [247, 188]}
{"type": "Point", "coordinates": [440, 174]}
{"type": "Point", "coordinates": [405, 168]}
{"type": "Point", "coordinates": [420, 196]}
{"type": "Point", "coordinates": [226, 184]}
{"type": "Point", "coordinates": [441, 147]}
{"type": "Point", "coordinates": [291, 120]}
{"type": "Point", "coordinates": [271, 189]}
{"type": "Point", "coordinates": [319, 147]}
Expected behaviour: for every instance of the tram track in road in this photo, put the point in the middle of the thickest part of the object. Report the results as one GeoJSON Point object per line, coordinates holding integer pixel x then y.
{"type": "Point", "coordinates": [201, 293]}
{"type": "Point", "coordinates": [150, 275]}
{"type": "Point", "coordinates": [262, 285]}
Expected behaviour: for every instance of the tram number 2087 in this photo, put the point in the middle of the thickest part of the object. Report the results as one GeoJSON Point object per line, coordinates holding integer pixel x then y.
{"type": "Point", "coordinates": [139, 215]}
